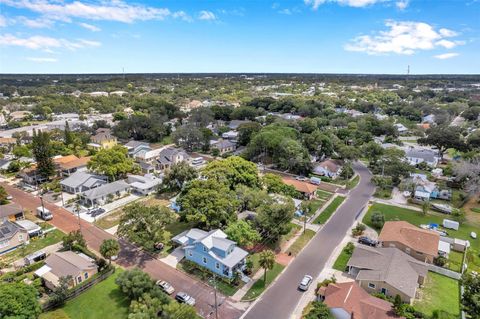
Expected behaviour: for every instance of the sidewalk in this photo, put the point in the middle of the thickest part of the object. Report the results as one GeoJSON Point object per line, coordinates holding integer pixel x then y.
{"type": "Point", "coordinates": [242, 291]}
{"type": "Point", "coordinates": [310, 226]}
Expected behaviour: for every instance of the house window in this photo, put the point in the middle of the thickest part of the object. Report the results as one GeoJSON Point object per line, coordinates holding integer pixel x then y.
{"type": "Point", "coordinates": [204, 260]}
{"type": "Point", "coordinates": [371, 286]}
{"type": "Point", "coordinates": [407, 250]}
{"type": "Point", "coordinates": [86, 275]}
{"type": "Point", "coordinates": [20, 237]}
{"type": "Point", "coordinates": [217, 265]}
{"type": "Point", "coordinates": [79, 279]}
{"type": "Point", "coordinates": [204, 248]}
{"type": "Point", "coordinates": [419, 252]}
{"type": "Point", "coordinates": [190, 253]}
{"type": "Point", "coordinates": [384, 291]}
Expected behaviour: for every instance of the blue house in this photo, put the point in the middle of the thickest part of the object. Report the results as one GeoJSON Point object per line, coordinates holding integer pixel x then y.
{"type": "Point", "coordinates": [212, 250]}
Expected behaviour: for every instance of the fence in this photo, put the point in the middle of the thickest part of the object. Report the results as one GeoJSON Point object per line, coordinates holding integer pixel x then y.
{"type": "Point", "coordinates": [76, 291]}
{"type": "Point", "coordinates": [446, 272]}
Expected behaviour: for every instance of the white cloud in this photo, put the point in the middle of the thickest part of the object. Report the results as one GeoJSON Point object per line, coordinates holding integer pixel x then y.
{"type": "Point", "coordinates": [402, 4]}
{"type": "Point", "coordinates": [113, 10]}
{"type": "Point", "coordinates": [36, 23]}
{"type": "Point", "coordinates": [351, 3]}
{"type": "Point", "coordinates": [90, 27]}
{"type": "Point", "coordinates": [45, 43]}
{"type": "Point", "coordinates": [285, 11]}
{"type": "Point", "coordinates": [182, 15]}
{"type": "Point", "coordinates": [207, 15]}
{"type": "Point", "coordinates": [3, 21]}
{"type": "Point", "coordinates": [42, 60]}
{"type": "Point", "coordinates": [403, 37]}
{"type": "Point", "coordinates": [445, 56]}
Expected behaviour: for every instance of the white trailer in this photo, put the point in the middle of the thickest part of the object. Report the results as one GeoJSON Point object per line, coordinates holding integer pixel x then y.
{"type": "Point", "coordinates": [451, 224]}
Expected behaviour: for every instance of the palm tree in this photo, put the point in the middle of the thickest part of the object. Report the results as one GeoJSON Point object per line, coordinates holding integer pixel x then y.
{"type": "Point", "coordinates": [425, 207]}
{"type": "Point", "coordinates": [266, 261]}
{"type": "Point", "coordinates": [109, 248]}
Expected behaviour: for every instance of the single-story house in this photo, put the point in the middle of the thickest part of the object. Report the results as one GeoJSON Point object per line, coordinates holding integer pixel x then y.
{"type": "Point", "coordinates": [144, 185]}
{"type": "Point", "coordinates": [11, 212]}
{"type": "Point", "coordinates": [12, 236]}
{"type": "Point", "coordinates": [230, 135]}
{"type": "Point", "coordinates": [105, 193]}
{"type": "Point", "coordinates": [82, 181]}
{"type": "Point", "coordinates": [421, 244]}
{"type": "Point", "coordinates": [401, 129]}
{"type": "Point", "coordinates": [347, 300]}
{"type": "Point", "coordinates": [146, 168]}
{"type": "Point", "coordinates": [330, 168]}
{"type": "Point", "coordinates": [224, 146]}
{"type": "Point", "coordinates": [8, 142]}
{"type": "Point", "coordinates": [307, 189]}
{"type": "Point", "coordinates": [67, 168]}
{"type": "Point", "coordinates": [31, 176]}
{"type": "Point", "coordinates": [135, 147]}
{"type": "Point", "coordinates": [212, 250]}
{"type": "Point", "coordinates": [430, 119]}
{"type": "Point", "coordinates": [387, 270]}
{"type": "Point", "coordinates": [63, 264]}
{"type": "Point", "coordinates": [426, 190]}
{"type": "Point", "coordinates": [31, 228]}
{"type": "Point", "coordinates": [415, 156]}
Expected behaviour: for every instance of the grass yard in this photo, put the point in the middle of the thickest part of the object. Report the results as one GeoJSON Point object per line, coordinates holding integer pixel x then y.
{"type": "Point", "coordinates": [455, 260]}
{"type": "Point", "coordinates": [354, 182]}
{"type": "Point", "coordinates": [104, 300]}
{"type": "Point", "coordinates": [50, 238]}
{"type": "Point", "coordinates": [383, 193]}
{"type": "Point", "coordinates": [440, 293]}
{"type": "Point", "coordinates": [329, 210]}
{"type": "Point", "coordinates": [342, 260]}
{"type": "Point", "coordinates": [259, 286]}
{"type": "Point", "coordinates": [301, 242]}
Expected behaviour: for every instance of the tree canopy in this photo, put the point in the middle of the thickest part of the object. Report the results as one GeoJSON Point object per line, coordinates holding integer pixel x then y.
{"type": "Point", "coordinates": [19, 301]}
{"type": "Point", "coordinates": [113, 162]}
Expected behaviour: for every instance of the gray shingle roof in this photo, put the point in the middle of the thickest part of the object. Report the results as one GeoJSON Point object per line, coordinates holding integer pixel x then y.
{"type": "Point", "coordinates": [426, 155]}
{"type": "Point", "coordinates": [389, 265]}
{"type": "Point", "coordinates": [8, 230]}
{"type": "Point", "coordinates": [9, 210]}
{"type": "Point", "coordinates": [106, 189]}
{"type": "Point", "coordinates": [68, 263]}
{"type": "Point", "coordinates": [82, 178]}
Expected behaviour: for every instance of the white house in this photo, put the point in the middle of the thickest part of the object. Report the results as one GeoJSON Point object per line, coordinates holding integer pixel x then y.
{"type": "Point", "coordinates": [416, 156]}
{"type": "Point", "coordinates": [145, 184]}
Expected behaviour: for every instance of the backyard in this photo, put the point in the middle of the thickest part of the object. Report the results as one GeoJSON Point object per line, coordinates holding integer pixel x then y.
{"type": "Point", "coordinates": [439, 293]}
{"type": "Point", "coordinates": [329, 210]}
{"type": "Point", "coordinates": [104, 300]}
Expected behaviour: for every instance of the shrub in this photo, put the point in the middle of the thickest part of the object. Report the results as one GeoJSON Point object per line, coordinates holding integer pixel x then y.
{"type": "Point", "coordinates": [358, 230]}
{"type": "Point", "coordinates": [377, 220]}
{"type": "Point", "coordinates": [349, 248]}
{"type": "Point", "coordinates": [440, 261]}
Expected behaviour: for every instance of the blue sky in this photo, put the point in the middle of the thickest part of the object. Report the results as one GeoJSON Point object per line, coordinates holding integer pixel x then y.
{"type": "Point", "coordinates": [311, 36]}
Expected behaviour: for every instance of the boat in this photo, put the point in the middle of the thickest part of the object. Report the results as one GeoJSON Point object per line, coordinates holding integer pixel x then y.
{"type": "Point", "coordinates": [473, 235]}
{"type": "Point", "coordinates": [446, 209]}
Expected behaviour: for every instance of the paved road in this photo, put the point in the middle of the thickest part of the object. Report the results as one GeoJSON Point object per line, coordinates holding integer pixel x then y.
{"type": "Point", "coordinates": [280, 300]}
{"type": "Point", "coordinates": [130, 257]}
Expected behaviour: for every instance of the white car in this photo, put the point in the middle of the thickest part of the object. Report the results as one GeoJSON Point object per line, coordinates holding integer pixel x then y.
{"type": "Point", "coordinates": [165, 286]}
{"type": "Point", "coordinates": [182, 297]}
{"type": "Point", "coordinates": [305, 283]}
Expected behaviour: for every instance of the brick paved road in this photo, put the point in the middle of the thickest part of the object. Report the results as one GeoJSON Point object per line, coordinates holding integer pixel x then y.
{"type": "Point", "coordinates": [130, 257]}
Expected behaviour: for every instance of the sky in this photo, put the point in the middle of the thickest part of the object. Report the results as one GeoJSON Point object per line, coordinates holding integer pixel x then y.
{"type": "Point", "coordinates": [242, 36]}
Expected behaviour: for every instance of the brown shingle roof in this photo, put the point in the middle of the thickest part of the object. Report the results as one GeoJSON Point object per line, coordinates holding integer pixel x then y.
{"type": "Point", "coordinates": [422, 240]}
{"type": "Point", "coordinates": [68, 263]}
{"type": "Point", "coordinates": [64, 159]}
{"type": "Point", "coordinates": [356, 301]}
{"type": "Point", "coordinates": [302, 187]}
{"type": "Point", "coordinates": [10, 209]}
{"type": "Point", "coordinates": [79, 162]}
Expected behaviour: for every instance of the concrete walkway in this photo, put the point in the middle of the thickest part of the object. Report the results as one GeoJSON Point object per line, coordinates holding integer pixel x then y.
{"type": "Point", "coordinates": [174, 257]}
{"type": "Point", "coordinates": [242, 291]}
{"type": "Point", "coordinates": [310, 226]}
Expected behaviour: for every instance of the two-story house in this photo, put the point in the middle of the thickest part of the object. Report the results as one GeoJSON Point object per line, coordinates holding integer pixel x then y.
{"type": "Point", "coordinates": [103, 138]}
{"type": "Point", "coordinates": [212, 250]}
{"type": "Point", "coordinates": [169, 156]}
{"type": "Point", "coordinates": [136, 147]}
{"type": "Point", "coordinates": [12, 236]}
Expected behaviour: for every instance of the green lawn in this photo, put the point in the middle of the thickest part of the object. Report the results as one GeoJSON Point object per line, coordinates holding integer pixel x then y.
{"type": "Point", "coordinates": [301, 241]}
{"type": "Point", "coordinates": [329, 210]}
{"type": "Point", "coordinates": [440, 293]}
{"type": "Point", "coordinates": [417, 218]}
{"type": "Point", "coordinates": [455, 260]}
{"type": "Point", "coordinates": [354, 182]}
{"type": "Point", "coordinates": [259, 286]}
{"type": "Point", "coordinates": [50, 238]}
{"type": "Point", "coordinates": [104, 300]}
{"type": "Point", "coordinates": [383, 193]}
{"type": "Point", "coordinates": [342, 260]}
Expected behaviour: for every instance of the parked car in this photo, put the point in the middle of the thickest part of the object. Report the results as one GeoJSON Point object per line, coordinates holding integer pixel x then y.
{"type": "Point", "coordinates": [367, 241]}
{"type": "Point", "coordinates": [159, 246]}
{"type": "Point", "coordinates": [9, 197]}
{"type": "Point", "coordinates": [301, 178]}
{"type": "Point", "coordinates": [165, 286]}
{"type": "Point", "coordinates": [305, 283]}
{"type": "Point", "coordinates": [183, 297]}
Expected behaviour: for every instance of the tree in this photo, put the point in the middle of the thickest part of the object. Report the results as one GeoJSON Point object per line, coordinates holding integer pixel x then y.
{"type": "Point", "coordinates": [372, 151]}
{"type": "Point", "coordinates": [318, 143]}
{"type": "Point", "coordinates": [347, 171]}
{"type": "Point", "coordinates": [469, 173]}
{"type": "Point", "coordinates": [188, 137]}
{"type": "Point", "coordinates": [42, 152]}
{"type": "Point", "coordinates": [444, 137]}
{"type": "Point", "coordinates": [145, 307]}
{"type": "Point", "coordinates": [19, 301]}
{"type": "Point", "coordinates": [68, 135]}
{"type": "Point", "coordinates": [275, 185]}
{"type": "Point", "coordinates": [109, 248]}
{"type": "Point", "coordinates": [425, 207]}
{"type": "Point", "coordinates": [60, 293]}
{"type": "Point", "coordinates": [398, 305]}
{"type": "Point", "coordinates": [242, 233]}
{"type": "Point", "coordinates": [113, 162]}
{"type": "Point", "coordinates": [233, 171]}
{"type": "Point", "coordinates": [246, 131]}
{"type": "Point", "coordinates": [175, 310]}
{"type": "Point", "coordinates": [178, 175]}
{"type": "Point", "coordinates": [273, 220]}
{"type": "Point", "coordinates": [209, 203]}
{"type": "Point", "coordinates": [21, 151]}
{"type": "Point", "coordinates": [377, 220]}
{"type": "Point", "coordinates": [319, 310]}
{"type": "Point", "coordinates": [266, 261]}
{"type": "Point", "coordinates": [134, 283]}
{"type": "Point", "coordinates": [72, 239]}
{"type": "Point", "coordinates": [145, 225]}
{"type": "Point", "coordinates": [3, 196]}
{"type": "Point", "coordinates": [471, 295]}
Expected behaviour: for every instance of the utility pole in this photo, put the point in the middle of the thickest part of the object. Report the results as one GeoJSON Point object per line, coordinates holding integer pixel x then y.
{"type": "Point", "coordinates": [304, 223]}
{"type": "Point", "coordinates": [77, 208]}
{"type": "Point", "coordinates": [43, 206]}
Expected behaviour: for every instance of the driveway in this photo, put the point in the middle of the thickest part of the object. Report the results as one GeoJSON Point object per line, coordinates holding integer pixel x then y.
{"type": "Point", "coordinates": [280, 300]}
{"type": "Point", "coordinates": [131, 256]}
{"type": "Point", "coordinates": [175, 257]}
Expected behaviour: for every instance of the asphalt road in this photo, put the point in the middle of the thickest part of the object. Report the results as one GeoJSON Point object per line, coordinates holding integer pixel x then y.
{"type": "Point", "coordinates": [280, 300]}
{"type": "Point", "coordinates": [131, 256]}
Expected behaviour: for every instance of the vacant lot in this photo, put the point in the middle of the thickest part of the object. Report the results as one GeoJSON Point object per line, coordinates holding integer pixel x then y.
{"type": "Point", "coordinates": [104, 300]}
{"type": "Point", "coordinates": [440, 293]}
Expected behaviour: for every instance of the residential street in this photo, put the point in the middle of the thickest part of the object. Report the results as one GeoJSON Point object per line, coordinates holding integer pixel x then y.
{"type": "Point", "coordinates": [130, 257]}
{"type": "Point", "coordinates": [280, 300]}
